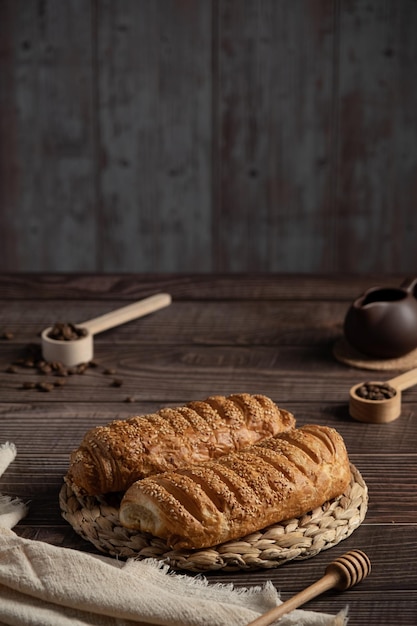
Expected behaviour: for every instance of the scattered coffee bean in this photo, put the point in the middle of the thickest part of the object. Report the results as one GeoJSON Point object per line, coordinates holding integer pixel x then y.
{"type": "Point", "coordinates": [7, 335]}
{"type": "Point", "coordinates": [376, 391]}
{"type": "Point", "coordinates": [58, 369]}
{"type": "Point", "coordinates": [44, 386]}
{"type": "Point", "coordinates": [67, 332]}
{"type": "Point", "coordinates": [28, 385]}
{"type": "Point", "coordinates": [130, 399]}
{"type": "Point", "coordinates": [32, 358]}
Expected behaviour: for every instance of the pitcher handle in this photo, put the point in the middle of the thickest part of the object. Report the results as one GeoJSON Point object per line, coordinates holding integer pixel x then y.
{"type": "Point", "coordinates": [409, 284]}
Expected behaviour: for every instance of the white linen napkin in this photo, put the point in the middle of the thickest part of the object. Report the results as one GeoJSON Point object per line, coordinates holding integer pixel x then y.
{"type": "Point", "coordinates": [12, 510]}
{"type": "Point", "coordinates": [45, 585]}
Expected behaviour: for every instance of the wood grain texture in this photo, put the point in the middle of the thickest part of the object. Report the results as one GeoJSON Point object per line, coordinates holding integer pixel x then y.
{"type": "Point", "coordinates": [227, 287]}
{"type": "Point", "coordinates": [47, 165]}
{"type": "Point", "coordinates": [275, 117]}
{"type": "Point", "coordinates": [269, 334]}
{"type": "Point", "coordinates": [225, 136]}
{"type": "Point", "coordinates": [375, 176]}
{"type": "Point", "coordinates": [154, 115]}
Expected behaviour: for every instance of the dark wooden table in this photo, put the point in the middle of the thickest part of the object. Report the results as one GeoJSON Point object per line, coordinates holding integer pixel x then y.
{"type": "Point", "coordinates": [222, 334]}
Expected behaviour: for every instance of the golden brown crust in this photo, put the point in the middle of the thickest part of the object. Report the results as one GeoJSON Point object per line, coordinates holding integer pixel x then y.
{"type": "Point", "coordinates": [112, 457]}
{"type": "Point", "coordinates": [205, 505]}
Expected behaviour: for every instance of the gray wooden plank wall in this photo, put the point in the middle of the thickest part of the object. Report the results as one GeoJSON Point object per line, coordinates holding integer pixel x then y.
{"type": "Point", "coordinates": [223, 136]}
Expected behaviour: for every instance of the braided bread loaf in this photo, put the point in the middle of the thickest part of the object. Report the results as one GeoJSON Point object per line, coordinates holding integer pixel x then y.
{"type": "Point", "coordinates": [210, 503]}
{"type": "Point", "coordinates": [112, 457]}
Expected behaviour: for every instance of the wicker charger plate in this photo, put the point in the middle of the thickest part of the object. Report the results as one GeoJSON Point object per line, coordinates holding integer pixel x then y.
{"type": "Point", "coordinates": [97, 520]}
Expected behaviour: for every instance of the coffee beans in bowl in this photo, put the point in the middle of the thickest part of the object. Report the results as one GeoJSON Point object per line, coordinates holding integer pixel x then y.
{"type": "Point", "coordinates": [376, 391]}
{"type": "Point", "coordinates": [67, 332]}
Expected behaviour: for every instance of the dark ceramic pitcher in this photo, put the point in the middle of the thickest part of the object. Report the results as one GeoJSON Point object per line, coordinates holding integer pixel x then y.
{"type": "Point", "coordinates": [382, 322]}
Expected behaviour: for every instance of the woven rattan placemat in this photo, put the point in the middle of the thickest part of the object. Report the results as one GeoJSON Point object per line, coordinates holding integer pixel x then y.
{"type": "Point", "coordinates": [97, 520]}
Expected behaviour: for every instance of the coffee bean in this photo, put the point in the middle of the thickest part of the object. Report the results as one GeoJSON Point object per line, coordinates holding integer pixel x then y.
{"type": "Point", "coordinates": [58, 368]}
{"type": "Point", "coordinates": [32, 359]}
{"type": "Point", "coordinates": [8, 336]}
{"type": "Point", "coordinates": [376, 391]}
{"type": "Point", "coordinates": [44, 386]}
{"type": "Point", "coordinates": [61, 372]}
{"type": "Point", "coordinates": [28, 385]}
{"type": "Point", "coordinates": [66, 332]}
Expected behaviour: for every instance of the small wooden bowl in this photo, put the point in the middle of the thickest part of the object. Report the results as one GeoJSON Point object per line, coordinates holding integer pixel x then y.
{"type": "Point", "coordinates": [374, 411]}
{"type": "Point", "coordinates": [70, 353]}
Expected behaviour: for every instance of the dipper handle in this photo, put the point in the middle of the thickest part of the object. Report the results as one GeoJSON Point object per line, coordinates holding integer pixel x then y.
{"type": "Point", "coordinates": [404, 381]}
{"type": "Point", "coordinates": [126, 313]}
{"type": "Point", "coordinates": [343, 573]}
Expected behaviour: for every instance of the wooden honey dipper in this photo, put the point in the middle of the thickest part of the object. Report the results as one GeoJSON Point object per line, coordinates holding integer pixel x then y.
{"type": "Point", "coordinates": [346, 571]}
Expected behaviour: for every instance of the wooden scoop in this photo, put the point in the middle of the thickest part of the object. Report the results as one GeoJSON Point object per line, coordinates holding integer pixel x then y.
{"type": "Point", "coordinates": [381, 411]}
{"type": "Point", "coordinates": [81, 350]}
{"type": "Point", "coordinates": [343, 573]}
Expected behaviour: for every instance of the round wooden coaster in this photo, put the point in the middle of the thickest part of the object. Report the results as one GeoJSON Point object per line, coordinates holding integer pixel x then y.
{"type": "Point", "coordinates": [97, 521]}
{"type": "Point", "coordinates": [348, 355]}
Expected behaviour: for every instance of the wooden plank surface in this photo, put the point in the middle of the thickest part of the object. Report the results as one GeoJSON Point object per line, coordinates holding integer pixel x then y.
{"type": "Point", "coordinates": [276, 135]}
{"type": "Point", "coordinates": [243, 136]}
{"type": "Point", "coordinates": [154, 115]}
{"type": "Point", "coordinates": [273, 335]}
{"type": "Point", "coordinates": [47, 195]}
{"type": "Point", "coordinates": [249, 286]}
{"type": "Point", "coordinates": [376, 51]}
